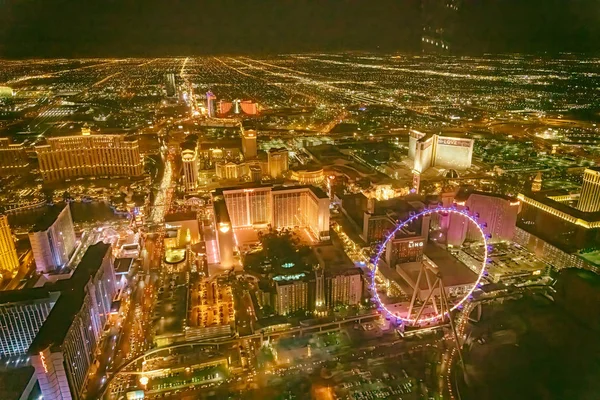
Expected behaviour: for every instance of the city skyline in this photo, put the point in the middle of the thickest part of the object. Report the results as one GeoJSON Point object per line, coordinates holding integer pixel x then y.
{"type": "Point", "coordinates": [328, 225]}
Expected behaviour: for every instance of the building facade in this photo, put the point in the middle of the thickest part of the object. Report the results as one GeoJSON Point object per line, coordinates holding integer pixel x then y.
{"type": "Point", "coordinates": [211, 104]}
{"type": "Point", "coordinates": [431, 150]}
{"type": "Point", "coordinates": [498, 214]}
{"type": "Point", "coordinates": [553, 255]}
{"type": "Point", "coordinates": [170, 85]}
{"type": "Point", "coordinates": [589, 199]}
{"type": "Point", "coordinates": [281, 207]}
{"type": "Point", "coordinates": [571, 229]}
{"type": "Point", "coordinates": [261, 206]}
{"type": "Point", "coordinates": [278, 162]}
{"type": "Point", "coordinates": [344, 288]}
{"type": "Point", "coordinates": [309, 176]}
{"type": "Point", "coordinates": [189, 159]}
{"type": "Point", "coordinates": [231, 170]}
{"type": "Point", "coordinates": [53, 239]}
{"type": "Point", "coordinates": [21, 317]}
{"type": "Point", "coordinates": [89, 155]}
{"type": "Point", "coordinates": [291, 296]}
{"type": "Point", "coordinates": [255, 172]}
{"type": "Point", "coordinates": [405, 251]}
{"type": "Point", "coordinates": [13, 157]}
{"type": "Point", "coordinates": [249, 143]}
{"type": "Point", "coordinates": [248, 107]}
{"type": "Point", "coordinates": [9, 262]}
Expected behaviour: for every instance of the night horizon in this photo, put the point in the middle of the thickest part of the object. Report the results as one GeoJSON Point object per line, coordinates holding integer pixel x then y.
{"type": "Point", "coordinates": [55, 29]}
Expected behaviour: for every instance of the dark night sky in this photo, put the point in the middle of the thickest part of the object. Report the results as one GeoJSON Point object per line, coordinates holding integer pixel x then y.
{"type": "Point", "coordinates": [70, 28]}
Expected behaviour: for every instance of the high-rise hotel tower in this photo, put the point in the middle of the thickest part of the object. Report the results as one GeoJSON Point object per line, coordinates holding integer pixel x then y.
{"type": "Point", "coordinates": [9, 262]}
{"type": "Point", "coordinates": [89, 155]}
{"type": "Point", "coordinates": [589, 200]}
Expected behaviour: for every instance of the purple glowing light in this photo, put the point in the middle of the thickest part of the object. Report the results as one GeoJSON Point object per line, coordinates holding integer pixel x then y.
{"type": "Point", "coordinates": [380, 249]}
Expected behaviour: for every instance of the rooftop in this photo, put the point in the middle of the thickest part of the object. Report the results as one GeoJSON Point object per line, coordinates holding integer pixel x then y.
{"type": "Point", "coordinates": [250, 186]}
{"type": "Point", "coordinates": [13, 382]}
{"type": "Point", "coordinates": [72, 294]}
{"type": "Point", "coordinates": [48, 218]}
{"type": "Point", "coordinates": [317, 191]}
{"type": "Point", "coordinates": [25, 295]}
{"type": "Point", "coordinates": [235, 143]}
{"type": "Point", "coordinates": [454, 272]}
{"type": "Point", "coordinates": [181, 216]}
{"type": "Point", "coordinates": [123, 265]}
{"type": "Point", "coordinates": [334, 260]}
{"type": "Point", "coordinates": [464, 194]}
{"type": "Point", "coordinates": [543, 198]}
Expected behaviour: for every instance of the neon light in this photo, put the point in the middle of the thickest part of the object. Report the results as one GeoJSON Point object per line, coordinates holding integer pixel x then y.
{"type": "Point", "coordinates": [43, 358]}
{"type": "Point", "coordinates": [381, 248]}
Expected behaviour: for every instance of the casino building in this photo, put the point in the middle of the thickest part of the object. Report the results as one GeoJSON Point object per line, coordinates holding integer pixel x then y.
{"type": "Point", "coordinates": [496, 211]}
{"type": "Point", "coordinates": [13, 157]}
{"type": "Point", "coordinates": [89, 155]}
{"type": "Point", "coordinates": [189, 159]}
{"type": "Point", "coordinates": [559, 226]}
{"type": "Point", "coordinates": [432, 150]}
{"type": "Point", "coordinates": [261, 206]}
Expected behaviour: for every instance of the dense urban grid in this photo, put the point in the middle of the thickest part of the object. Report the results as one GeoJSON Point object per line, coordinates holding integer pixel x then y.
{"type": "Point", "coordinates": [327, 226]}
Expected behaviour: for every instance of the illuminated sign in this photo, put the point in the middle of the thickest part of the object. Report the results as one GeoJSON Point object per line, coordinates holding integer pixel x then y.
{"type": "Point", "coordinates": [43, 358]}
{"type": "Point", "coordinates": [224, 227]}
{"type": "Point", "coordinates": [455, 142]}
{"type": "Point", "coordinates": [414, 244]}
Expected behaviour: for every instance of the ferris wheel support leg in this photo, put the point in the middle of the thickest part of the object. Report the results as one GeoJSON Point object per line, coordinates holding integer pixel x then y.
{"type": "Point", "coordinates": [435, 284]}
{"type": "Point", "coordinates": [414, 296]}
{"type": "Point", "coordinates": [435, 307]}
{"type": "Point", "coordinates": [457, 342]}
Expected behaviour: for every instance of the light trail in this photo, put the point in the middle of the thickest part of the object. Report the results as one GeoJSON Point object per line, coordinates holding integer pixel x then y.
{"type": "Point", "coordinates": [410, 71]}
{"type": "Point", "coordinates": [162, 199]}
{"type": "Point", "coordinates": [182, 71]}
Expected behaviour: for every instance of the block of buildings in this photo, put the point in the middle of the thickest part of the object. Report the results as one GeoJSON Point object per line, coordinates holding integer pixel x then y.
{"type": "Point", "coordinates": [59, 325]}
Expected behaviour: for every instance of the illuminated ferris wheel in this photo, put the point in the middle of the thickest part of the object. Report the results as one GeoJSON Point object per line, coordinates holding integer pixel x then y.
{"type": "Point", "coordinates": [429, 300]}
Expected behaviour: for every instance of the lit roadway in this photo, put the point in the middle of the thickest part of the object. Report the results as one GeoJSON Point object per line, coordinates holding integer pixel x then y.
{"type": "Point", "coordinates": [324, 327]}
{"type": "Point", "coordinates": [163, 195]}
{"type": "Point", "coordinates": [131, 334]}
